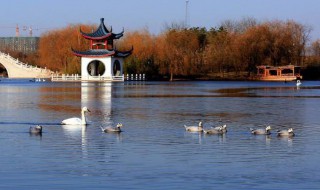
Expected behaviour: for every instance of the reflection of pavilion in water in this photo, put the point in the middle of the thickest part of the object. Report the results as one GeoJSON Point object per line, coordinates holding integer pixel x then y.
{"type": "Point", "coordinates": [97, 96]}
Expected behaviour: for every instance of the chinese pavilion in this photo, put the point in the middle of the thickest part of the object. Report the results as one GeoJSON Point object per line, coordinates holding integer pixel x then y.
{"type": "Point", "coordinates": [102, 61]}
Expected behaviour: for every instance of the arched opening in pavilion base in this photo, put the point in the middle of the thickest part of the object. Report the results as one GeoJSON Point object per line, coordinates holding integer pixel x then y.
{"type": "Point", "coordinates": [116, 68]}
{"type": "Point", "coordinates": [96, 68]}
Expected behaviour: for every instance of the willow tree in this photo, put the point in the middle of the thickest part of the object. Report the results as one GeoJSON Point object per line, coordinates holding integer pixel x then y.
{"type": "Point", "coordinates": [142, 58]}
{"type": "Point", "coordinates": [177, 49]}
{"type": "Point", "coordinates": [315, 48]}
{"type": "Point", "coordinates": [252, 47]}
{"type": "Point", "coordinates": [300, 36]}
{"type": "Point", "coordinates": [55, 48]}
{"type": "Point", "coordinates": [219, 53]}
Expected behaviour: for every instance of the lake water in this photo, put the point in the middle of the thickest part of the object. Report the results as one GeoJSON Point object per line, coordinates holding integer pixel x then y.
{"type": "Point", "coordinates": [155, 151]}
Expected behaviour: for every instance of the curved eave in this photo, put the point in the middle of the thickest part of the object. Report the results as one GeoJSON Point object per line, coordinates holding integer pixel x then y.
{"type": "Point", "coordinates": [94, 56]}
{"type": "Point", "coordinates": [123, 53]}
{"type": "Point", "coordinates": [119, 35]}
{"type": "Point", "coordinates": [92, 37]}
{"type": "Point", "coordinates": [93, 53]}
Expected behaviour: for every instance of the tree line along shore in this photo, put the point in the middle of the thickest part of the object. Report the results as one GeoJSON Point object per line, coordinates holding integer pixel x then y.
{"type": "Point", "coordinates": [230, 51]}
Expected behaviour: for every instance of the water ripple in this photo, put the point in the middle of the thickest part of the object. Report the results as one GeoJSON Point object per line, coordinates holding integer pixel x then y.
{"type": "Point", "coordinates": [155, 151]}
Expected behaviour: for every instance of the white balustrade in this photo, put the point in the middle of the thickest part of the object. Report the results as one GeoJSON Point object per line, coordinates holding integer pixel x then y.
{"type": "Point", "coordinates": [135, 77]}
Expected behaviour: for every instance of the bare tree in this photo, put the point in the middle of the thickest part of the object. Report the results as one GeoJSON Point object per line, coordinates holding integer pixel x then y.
{"type": "Point", "coordinates": [240, 26]}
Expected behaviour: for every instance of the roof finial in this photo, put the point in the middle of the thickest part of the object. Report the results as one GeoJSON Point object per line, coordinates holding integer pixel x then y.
{"type": "Point", "coordinates": [101, 20]}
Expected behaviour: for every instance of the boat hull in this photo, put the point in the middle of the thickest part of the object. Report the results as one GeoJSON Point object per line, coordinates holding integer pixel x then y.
{"type": "Point", "coordinates": [278, 78]}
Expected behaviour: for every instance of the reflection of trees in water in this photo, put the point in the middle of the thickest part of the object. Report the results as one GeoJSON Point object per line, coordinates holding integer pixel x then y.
{"type": "Point", "coordinates": [65, 97]}
{"type": "Point", "coordinates": [250, 106]}
{"type": "Point", "coordinates": [276, 106]}
{"type": "Point", "coordinates": [71, 97]}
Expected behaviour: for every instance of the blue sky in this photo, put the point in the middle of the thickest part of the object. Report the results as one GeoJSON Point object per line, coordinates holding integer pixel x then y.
{"type": "Point", "coordinates": [151, 14]}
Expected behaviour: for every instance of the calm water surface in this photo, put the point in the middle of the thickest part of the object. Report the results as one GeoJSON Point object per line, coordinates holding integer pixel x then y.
{"type": "Point", "coordinates": [154, 151]}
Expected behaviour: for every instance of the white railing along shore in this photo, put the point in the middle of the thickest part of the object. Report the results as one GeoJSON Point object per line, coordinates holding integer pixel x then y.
{"type": "Point", "coordinates": [76, 77]}
{"type": "Point", "coordinates": [133, 77]}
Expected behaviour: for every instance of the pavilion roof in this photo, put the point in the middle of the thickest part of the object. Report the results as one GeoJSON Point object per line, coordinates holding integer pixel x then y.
{"type": "Point", "coordinates": [102, 53]}
{"type": "Point", "coordinates": [101, 33]}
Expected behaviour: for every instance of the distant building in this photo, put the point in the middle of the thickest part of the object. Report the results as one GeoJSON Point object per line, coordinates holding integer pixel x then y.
{"type": "Point", "coordinates": [20, 44]}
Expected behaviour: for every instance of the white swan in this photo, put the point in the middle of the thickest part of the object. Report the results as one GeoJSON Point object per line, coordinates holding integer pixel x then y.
{"type": "Point", "coordinates": [75, 120]}
{"type": "Point", "coordinates": [298, 83]}
{"type": "Point", "coordinates": [198, 128]}
{"type": "Point", "coordinates": [116, 129]}
{"type": "Point", "coordinates": [265, 131]}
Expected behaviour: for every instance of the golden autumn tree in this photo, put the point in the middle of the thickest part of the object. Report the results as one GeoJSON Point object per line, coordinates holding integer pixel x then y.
{"type": "Point", "coordinates": [313, 62]}
{"type": "Point", "coordinates": [142, 59]}
{"type": "Point", "coordinates": [300, 36]}
{"type": "Point", "coordinates": [219, 51]}
{"type": "Point", "coordinates": [315, 48]}
{"type": "Point", "coordinates": [161, 56]}
{"type": "Point", "coordinates": [176, 50]}
{"type": "Point", "coordinates": [55, 48]}
{"type": "Point", "coordinates": [253, 47]}
{"type": "Point", "coordinates": [270, 43]}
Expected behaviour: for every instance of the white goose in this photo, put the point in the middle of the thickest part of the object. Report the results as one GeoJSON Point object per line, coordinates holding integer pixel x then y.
{"type": "Point", "coordinates": [286, 133]}
{"type": "Point", "coordinates": [36, 129]}
{"type": "Point", "coordinates": [116, 129]}
{"type": "Point", "coordinates": [75, 120]}
{"type": "Point", "coordinates": [222, 128]}
{"type": "Point", "coordinates": [198, 128]}
{"type": "Point", "coordinates": [214, 131]}
{"type": "Point", "coordinates": [265, 131]}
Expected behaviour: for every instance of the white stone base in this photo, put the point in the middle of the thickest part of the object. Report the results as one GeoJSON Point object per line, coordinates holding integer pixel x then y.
{"type": "Point", "coordinates": [109, 64]}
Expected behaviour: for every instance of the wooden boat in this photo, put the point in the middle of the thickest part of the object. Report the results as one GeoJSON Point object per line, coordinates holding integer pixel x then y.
{"type": "Point", "coordinates": [280, 73]}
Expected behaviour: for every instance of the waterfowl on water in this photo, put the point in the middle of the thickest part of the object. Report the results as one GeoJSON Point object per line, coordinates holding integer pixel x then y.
{"type": "Point", "coordinates": [298, 83]}
{"type": "Point", "coordinates": [36, 129]}
{"type": "Point", "coordinates": [286, 133]}
{"type": "Point", "coordinates": [214, 131]}
{"type": "Point", "coordinates": [116, 129]}
{"type": "Point", "coordinates": [198, 128]}
{"type": "Point", "coordinates": [223, 128]}
{"type": "Point", "coordinates": [77, 121]}
{"type": "Point", "coordinates": [265, 131]}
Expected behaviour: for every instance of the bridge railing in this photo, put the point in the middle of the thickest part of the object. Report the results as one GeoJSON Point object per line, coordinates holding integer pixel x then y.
{"type": "Point", "coordinates": [20, 64]}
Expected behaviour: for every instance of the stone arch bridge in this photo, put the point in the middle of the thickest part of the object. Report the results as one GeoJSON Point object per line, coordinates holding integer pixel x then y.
{"type": "Point", "coordinates": [17, 69]}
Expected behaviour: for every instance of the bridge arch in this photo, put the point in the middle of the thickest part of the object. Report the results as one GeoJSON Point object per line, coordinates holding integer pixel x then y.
{"type": "Point", "coordinates": [3, 71]}
{"type": "Point", "coordinates": [17, 69]}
